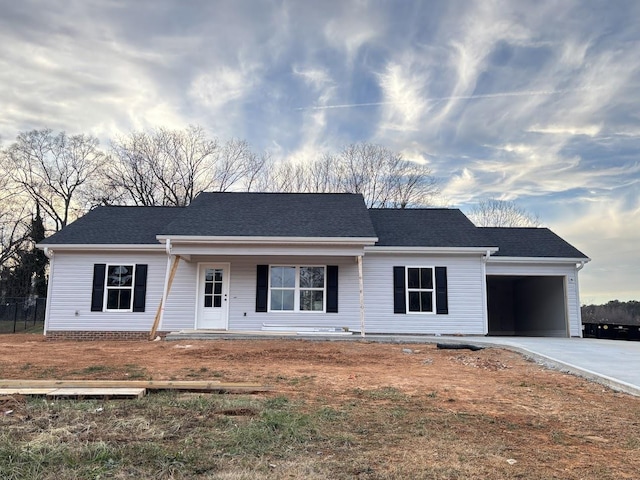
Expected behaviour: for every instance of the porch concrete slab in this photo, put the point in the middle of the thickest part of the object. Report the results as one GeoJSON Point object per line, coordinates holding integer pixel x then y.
{"type": "Point", "coordinates": [614, 363]}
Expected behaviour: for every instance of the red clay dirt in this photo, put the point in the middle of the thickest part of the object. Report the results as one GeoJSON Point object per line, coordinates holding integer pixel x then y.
{"type": "Point", "coordinates": [540, 415]}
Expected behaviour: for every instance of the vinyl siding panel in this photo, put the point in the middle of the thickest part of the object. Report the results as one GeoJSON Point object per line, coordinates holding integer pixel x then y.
{"type": "Point", "coordinates": [568, 271]}
{"type": "Point", "coordinates": [69, 302]}
{"type": "Point", "coordinates": [465, 292]}
{"type": "Point", "coordinates": [180, 312]}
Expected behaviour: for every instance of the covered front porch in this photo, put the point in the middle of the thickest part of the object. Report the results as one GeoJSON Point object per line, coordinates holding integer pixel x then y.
{"type": "Point", "coordinates": [249, 286]}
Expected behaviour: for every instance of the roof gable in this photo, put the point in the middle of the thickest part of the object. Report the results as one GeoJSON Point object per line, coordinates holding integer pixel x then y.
{"type": "Point", "coordinates": [273, 215]}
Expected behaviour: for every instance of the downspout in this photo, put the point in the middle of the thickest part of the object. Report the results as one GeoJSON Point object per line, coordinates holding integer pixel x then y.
{"type": "Point", "coordinates": [485, 310]}
{"type": "Point", "coordinates": [361, 288]}
{"type": "Point", "coordinates": [47, 310]}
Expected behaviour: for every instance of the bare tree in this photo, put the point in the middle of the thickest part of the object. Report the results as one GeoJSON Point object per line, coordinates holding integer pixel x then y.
{"type": "Point", "coordinates": [236, 166]}
{"type": "Point", "coordinates": [161, 167]}
{"type": "Point", "coordinates": [385, 178]}
{"type": "Point", "coordinates": [287, 177]}
{"type": "Point", "coordinates": [170, 167]}
{"type": "Point", "coordinates": [322, 175]}
{"type": "Point", "coordinates": [54, 170]}
{"type": "Point", "coordinates": [501, 213]}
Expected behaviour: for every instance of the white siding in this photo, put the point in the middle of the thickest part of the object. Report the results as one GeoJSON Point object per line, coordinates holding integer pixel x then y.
{"type": "Point", "coordinates": [568, 271]}
{"type": "Point", "coordinates": [69, 303]}
{"type": "Point", "coordinates": [181, 305]}
{"type": "Point", "coordinates": [465, 291]}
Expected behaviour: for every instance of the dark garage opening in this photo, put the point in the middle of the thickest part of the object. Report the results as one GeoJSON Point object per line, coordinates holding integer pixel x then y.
{"type": "Point", "coordinates": [528, 306]}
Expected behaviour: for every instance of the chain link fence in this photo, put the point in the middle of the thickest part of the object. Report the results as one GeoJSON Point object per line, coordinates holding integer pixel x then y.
{"type": "Point", "coordinates": [22, 314]}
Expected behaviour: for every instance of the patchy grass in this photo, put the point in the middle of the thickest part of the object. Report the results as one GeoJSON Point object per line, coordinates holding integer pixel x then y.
{"type": "Point", "coordinates": [173, 435]}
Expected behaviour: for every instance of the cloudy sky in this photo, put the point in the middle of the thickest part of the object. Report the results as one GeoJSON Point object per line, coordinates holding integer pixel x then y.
{"type": "Point", "coordinates": [536, 102]}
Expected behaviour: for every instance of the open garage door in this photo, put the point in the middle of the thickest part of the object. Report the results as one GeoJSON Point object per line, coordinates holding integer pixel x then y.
{"type": "Point", "coordinates": [533, 306]}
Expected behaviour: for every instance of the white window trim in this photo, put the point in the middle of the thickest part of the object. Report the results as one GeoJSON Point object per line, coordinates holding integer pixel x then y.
{"type": "Point", "coordinates": [106, 288]}
{"type": "Point", "coordinates": [296, 291]}
{"type": "Point", "coordinates": [432, 290]}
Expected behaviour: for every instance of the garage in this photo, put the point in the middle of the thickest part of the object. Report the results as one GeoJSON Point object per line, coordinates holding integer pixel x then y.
{"type": "Point", "coordinates": [532, 284]}
{"type": "Point", "coordinates": [527, 305]}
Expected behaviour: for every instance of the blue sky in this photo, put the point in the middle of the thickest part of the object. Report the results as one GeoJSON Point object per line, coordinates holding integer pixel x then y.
{"type": "Point", "coordinates": [536, 102]}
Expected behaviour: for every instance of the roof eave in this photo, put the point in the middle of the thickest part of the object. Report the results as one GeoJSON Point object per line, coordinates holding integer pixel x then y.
{"type": "Point", "coordinates": [495, 259]}
{"type": "Point", "coordinates": [262, 240]}
{"type": "Point", "coordinates": [427, 250]}
{"type": "Point", "coordinates": [102, 246]}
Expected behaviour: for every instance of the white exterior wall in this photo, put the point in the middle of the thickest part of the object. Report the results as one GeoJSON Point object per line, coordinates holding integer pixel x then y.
{"type": "Point", "coordinates": [568, 271]}
{"type": "Point", "coordinates": [71, 279]}
{"type": "Point", "coordinates": [465, 280]}
{"type": "Point", "coordinates": [180, 312]}
{"type": "Point", "coordinates": [69, 301]}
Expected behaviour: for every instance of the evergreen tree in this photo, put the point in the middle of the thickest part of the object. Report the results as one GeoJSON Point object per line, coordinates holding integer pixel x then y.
{"type": "Point", "coordinates": [27, 278]}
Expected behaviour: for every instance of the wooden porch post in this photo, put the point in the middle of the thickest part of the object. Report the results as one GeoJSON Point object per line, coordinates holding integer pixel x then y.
{"type": "Point", "coordinates": [165, 294]}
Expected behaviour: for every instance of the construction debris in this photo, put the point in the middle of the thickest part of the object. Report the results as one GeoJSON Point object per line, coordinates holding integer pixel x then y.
{"type": "Point", "coordinates": [119, 388]}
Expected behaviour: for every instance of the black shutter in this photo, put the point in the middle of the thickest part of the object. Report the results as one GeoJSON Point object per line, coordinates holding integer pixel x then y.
{"type": "Point", "coordinates": [332, 289]}
{"type": "Point", "coordinates": [262, 288]}
{"type": "Point", "coordinates": [140, 288]}
{"type": "Point", "coordinates": [442, 305]}
{"type": "Point", "coordinates": [97, 294]}
{"type": "Point", "coordinates": [399, 302]}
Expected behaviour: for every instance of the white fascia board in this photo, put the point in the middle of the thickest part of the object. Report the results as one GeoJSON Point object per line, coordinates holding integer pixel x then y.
{"type": "Point", "coordinates": [432, 250]}
{"type": "Point", "coordinates": [548, 260]}
{"type": "Point", "coordinates": [270, 240]}
{"type": "Point", "coordinates": [118, 247]}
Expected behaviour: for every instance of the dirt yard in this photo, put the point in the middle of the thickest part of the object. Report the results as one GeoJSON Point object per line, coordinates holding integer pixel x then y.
{"type": "Point", "coordinates": [454, 413]}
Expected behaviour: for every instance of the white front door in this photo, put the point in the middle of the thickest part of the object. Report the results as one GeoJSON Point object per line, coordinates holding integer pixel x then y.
{"type": "Point", "coordinates": [213, 294]}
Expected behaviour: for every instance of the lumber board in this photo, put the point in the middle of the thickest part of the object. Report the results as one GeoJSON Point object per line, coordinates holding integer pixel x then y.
{"type": "Point", "coordinates": [190, 385]}
{"type": "Point", "coordinates": [165, 295]}
{"type": "Point", "coordinates": [25, 391]}
{"type": "Point", "coordinates": [97, 392]}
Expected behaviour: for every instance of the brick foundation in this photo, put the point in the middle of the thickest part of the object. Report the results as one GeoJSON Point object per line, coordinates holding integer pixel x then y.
{"type": "Point", "coordinates": [88, 335]}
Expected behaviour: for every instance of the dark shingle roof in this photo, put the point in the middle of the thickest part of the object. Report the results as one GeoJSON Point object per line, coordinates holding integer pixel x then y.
{"type": "Point", "coordinates": [274, 215]}
{"type": "Point", "coordinates": [116, 225]}
{"type": "Point", "coordinates": [306, 215]}
{"type": "Point", "coordinates": [530, 242]}
{"type": "Point", "coordinates": [429, 227]}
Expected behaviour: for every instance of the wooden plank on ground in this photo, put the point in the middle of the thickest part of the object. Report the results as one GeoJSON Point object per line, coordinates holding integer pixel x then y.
{"type": "Point", "coordinates": [192, 385]}
{"type": "Point", "coordinates": [97, 393]}
{"type": "Point", "coordinates": [25, 391]}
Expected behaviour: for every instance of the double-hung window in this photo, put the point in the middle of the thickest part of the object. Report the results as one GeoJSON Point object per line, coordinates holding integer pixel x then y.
{"type": "Point", "coordinates": [420, 289]}
{"type": "Point", "coordinates": [420, 282]}
{"type": "Point", "coordinates": [297, 288]}
{"type": "Point", "coordinates": [119, 287]}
